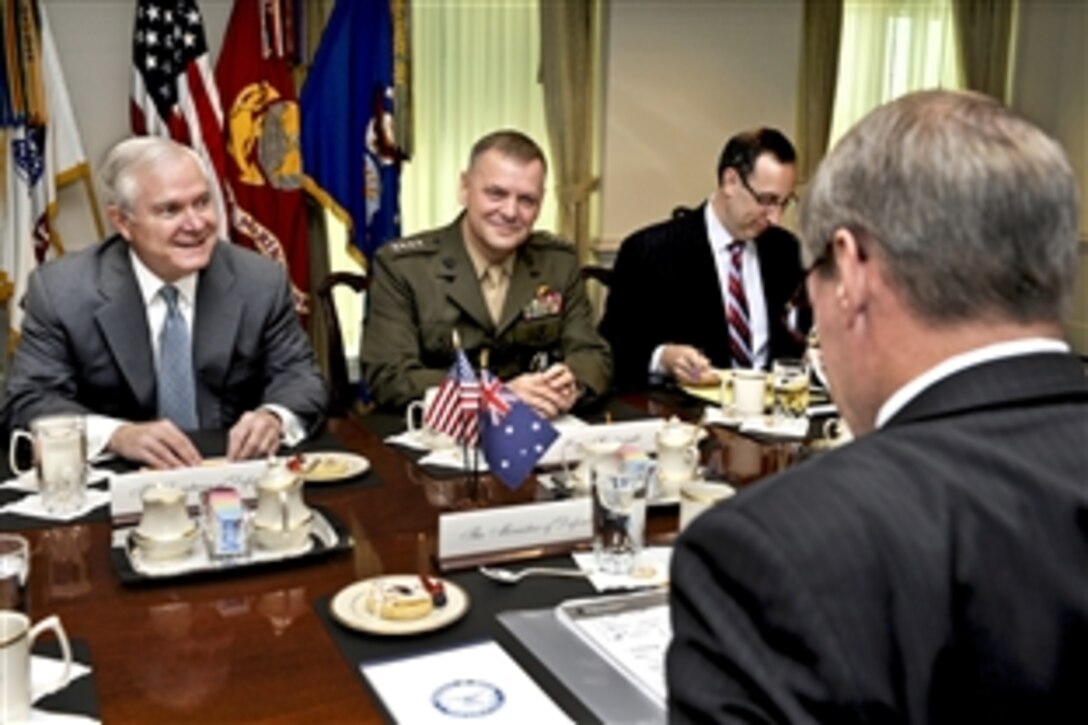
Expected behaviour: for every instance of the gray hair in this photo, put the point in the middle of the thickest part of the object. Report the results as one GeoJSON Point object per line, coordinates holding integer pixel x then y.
{"type": "Point", "coordinates": [972, 209]}
{"type": "Point", "coordinates": [121, 169]}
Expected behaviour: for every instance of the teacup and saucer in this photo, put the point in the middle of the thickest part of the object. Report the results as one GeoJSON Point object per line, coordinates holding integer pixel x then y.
{"type": "Point", "coordinates": [165, 530]}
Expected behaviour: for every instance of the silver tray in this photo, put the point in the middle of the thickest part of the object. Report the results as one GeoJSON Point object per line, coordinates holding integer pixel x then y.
{"type": "Point", "coordinates": [326, 535]}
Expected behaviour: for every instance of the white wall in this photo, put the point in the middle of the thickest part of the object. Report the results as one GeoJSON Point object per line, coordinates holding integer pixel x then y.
{"type": "Point", "coordinates": [681, 78]}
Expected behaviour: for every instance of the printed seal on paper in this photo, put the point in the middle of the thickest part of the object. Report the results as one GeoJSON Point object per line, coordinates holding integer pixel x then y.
{"type": "Point", "coordinates": [468, 698]}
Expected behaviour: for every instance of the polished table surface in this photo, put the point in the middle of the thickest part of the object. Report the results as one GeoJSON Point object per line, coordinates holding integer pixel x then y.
{"type": "Point", "coordinates": [251, 645]}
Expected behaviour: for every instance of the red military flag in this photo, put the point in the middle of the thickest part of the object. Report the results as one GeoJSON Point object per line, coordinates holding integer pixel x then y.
{"type": "Point", "coordinates": [173, 89]}
{"type": "Point", "coordinates": [263, 160]}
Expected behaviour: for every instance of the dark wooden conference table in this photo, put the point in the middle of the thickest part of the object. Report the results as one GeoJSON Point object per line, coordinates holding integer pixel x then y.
{"type": "Point", "coordinates": [259, 645]}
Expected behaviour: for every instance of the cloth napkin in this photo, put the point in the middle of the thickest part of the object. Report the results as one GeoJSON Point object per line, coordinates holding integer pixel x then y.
{"type": "Point", "coordinates": [652, 570]}
{"type": "Point", "coordinates": [29, 480]}
{"type": "Point", "coordinates": [454, 458]}
{"type": "Point", "coordinates": [48, 669]}
{"type": "Point", "coordinates": [408, 439]}
{"type": "Point", "coordinates": [32, 506]}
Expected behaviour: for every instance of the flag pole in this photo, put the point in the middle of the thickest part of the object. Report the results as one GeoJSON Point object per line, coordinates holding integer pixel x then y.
{"type": "Point", "coordinates": [464, 440]}
{"type": "Point", "coordinates": [485, 358]}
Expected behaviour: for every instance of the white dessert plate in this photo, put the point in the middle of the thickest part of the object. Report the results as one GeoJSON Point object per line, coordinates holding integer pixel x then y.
{"type": "Point", "coordinates": [348, 607]}
{"type": "Point", "coordinates": [334, 466]}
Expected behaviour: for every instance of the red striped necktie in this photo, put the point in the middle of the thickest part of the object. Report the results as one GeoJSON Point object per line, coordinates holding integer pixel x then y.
{"type": "Point", "coordinates": [740, 335]}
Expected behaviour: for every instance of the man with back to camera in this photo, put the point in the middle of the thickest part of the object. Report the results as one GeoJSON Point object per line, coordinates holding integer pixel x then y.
{"type": "Point", "coordinates": [501, 286]}
{"type": "Point", "coordinates": [97, 323]}
{"type": "Point", "coordinates": [932, 570]}
{"type": "Point", "coordinates": [670, 310]}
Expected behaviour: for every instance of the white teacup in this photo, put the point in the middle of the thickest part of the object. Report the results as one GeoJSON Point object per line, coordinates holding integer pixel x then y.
{"type": "Point", "coordinates": [677, 460]}
{"type": "Point", "coordinates": [16, 638]}
{"type": "Point", "coordinates": [164, 515]}
{"type": "Point", "coordinates": [60, 460]}
{"type": "Point", "coordinates": [593, 457]}
{"type": "Point", "coordinates": [415, 417]}
{"type": "Point", "coordinates": [698, 496]}
{"type": "Point", "coordinates": [165, 530]}
{"type": "Point", "coordinates": [749, 391]}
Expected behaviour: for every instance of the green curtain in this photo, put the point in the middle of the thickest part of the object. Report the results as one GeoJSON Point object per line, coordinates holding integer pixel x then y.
{"type": "Point", "coordinates": [818, 74]}
{"type": "Point", "coordinates": [569, 34]}
{"type": "Point", "coordinates": [984, 32]}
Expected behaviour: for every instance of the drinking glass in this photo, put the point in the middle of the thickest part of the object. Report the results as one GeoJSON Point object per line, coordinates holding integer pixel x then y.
{"type": "Point", "coordinates": [789, 378]}
{"type": "Point", "coordinates": [14, 572]}
{"type": "Point", "coordinates": [619, 517]}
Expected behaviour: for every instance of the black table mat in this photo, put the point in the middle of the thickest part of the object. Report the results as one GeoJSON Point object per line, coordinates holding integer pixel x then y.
{"type": "Point", "coordinates": [80, 697]}
{"type": "Point", "coordinates": [487, 599]}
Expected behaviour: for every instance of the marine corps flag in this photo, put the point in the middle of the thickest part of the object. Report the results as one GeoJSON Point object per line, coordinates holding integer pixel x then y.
{"type": "Point", "coordinates": [352, 159]}
{"type": "Point", "coordinates": [263, 159]}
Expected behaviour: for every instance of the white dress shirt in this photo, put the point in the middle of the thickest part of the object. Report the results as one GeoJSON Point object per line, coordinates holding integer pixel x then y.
{"type": "Point", "coordinates": [720, 239]}
{"type": "Point", "coordinates": [956, 363]}
{"type": "Point", "coordinates": [100, 428]}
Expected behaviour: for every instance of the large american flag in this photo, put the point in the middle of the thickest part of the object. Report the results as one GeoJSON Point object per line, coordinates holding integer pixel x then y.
{"type": "Point", "coordinates": [173, 86]}
{"type": "Point", "coordinates": [456, 408]}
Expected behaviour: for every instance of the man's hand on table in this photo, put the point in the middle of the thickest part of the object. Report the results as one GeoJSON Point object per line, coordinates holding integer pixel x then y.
{"type": "Point", "coordinates": [687, 365]}
{"type": "Point", "coordinates": [551, 393]}
{"type": "Point", "coordinates": [256, 434]}
{"type": "Point", "coordinates": [158, 444]}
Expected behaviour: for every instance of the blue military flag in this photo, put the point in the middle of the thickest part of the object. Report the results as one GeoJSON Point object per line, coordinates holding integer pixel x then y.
{"type": "Point", "coordinates": [513, 436]}
{"type": "Point", "coordinates": [352, 158]}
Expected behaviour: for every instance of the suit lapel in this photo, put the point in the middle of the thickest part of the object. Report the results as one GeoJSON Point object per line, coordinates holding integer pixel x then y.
{"type": "Point", "coordinates": [217, 316]}
{"type": "Point", "coordinates": [522, 290]}
{"type": "Point", "coordinates": [462, 287]}
{"type": "Point", "coordinates": [122, 320]}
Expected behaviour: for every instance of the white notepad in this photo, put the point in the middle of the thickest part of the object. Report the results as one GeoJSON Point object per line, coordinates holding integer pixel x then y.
{"type": "Point", "coordinates": [479, 682]}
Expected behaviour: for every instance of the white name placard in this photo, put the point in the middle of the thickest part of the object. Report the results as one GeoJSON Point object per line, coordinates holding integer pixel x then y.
{"type": "Point", "coordinates": [508, 528]}
{"type": "Point", "coordinates": [126, 489]}
{"type": "Point", "coordinates": [637, 433]}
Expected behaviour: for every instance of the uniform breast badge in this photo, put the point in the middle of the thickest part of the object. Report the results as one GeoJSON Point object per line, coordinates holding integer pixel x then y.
{"type": "Point", "coordinates": [546, 303]}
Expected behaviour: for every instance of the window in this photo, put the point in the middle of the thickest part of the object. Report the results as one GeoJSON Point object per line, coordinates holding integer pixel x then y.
{"type": "Point", "coordinates": [889, 48]}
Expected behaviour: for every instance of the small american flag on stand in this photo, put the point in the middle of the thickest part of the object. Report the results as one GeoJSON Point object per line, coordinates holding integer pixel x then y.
{"type": "Point", "coordinates": [513, 436]}
{"type": "Point", "coordinates": [455, 410]}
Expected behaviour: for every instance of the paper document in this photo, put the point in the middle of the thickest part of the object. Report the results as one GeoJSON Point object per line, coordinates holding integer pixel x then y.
{"type": "Point", "coordinates": [631, 631]}
{"type": "Point", "coordinates": [478, 682]}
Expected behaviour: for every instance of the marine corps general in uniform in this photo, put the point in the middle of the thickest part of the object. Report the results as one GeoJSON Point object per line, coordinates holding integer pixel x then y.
{"type": "Point", "coordinates": [503, 288]}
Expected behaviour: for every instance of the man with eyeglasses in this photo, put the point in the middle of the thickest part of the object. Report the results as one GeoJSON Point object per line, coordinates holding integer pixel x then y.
{"type": "Point", "coordinates": [933, 569]}
{"type": "Point", "coordinates": [711, 287]}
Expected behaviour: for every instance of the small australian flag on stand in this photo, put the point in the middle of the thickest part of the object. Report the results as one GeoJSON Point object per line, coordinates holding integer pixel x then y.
{"type": "Point", "coordinates": [513, 436]}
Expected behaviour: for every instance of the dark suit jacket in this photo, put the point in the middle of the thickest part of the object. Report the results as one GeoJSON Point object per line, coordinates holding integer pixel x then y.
{"type": "Point", "coordinates": [85, 345]}
{"type": "Point", "coordinates": [665, 289]}
{"type": "Point", "coordinates": [933, 571]}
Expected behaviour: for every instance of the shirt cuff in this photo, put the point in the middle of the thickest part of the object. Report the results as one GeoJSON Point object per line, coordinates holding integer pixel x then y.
{"type": "Point", "coordinates": [100, 429]}
{"type": "Point", "coordinates": [293, 430]}
{"type": "Point", "coordinates": [655, 362]}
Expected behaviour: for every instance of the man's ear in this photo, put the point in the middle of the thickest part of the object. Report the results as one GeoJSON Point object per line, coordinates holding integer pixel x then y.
{"type": "Point", "coordinates": [462, 190]}
{"type": "Point", "coordinates": [854, 266]}
{"type": "Point", "coordinates": [119, 221]}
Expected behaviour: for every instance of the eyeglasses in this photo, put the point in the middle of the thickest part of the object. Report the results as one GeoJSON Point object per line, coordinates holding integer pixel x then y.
{"type": "Point", "coordinates": [765, 199]}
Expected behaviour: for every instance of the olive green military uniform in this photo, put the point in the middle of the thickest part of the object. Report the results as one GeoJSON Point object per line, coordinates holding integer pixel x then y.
{"type": "Point", "coordinates": [425, 287]}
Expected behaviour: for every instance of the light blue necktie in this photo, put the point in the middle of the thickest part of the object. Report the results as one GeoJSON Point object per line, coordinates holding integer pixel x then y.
{"type": "Point", "coordinates": [177, 396]}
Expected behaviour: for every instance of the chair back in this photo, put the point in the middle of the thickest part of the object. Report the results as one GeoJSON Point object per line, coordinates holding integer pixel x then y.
{"type": "Point", "coordinates": [597, 279]}
{"type": "Point", "coordinates": [341, 392]}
